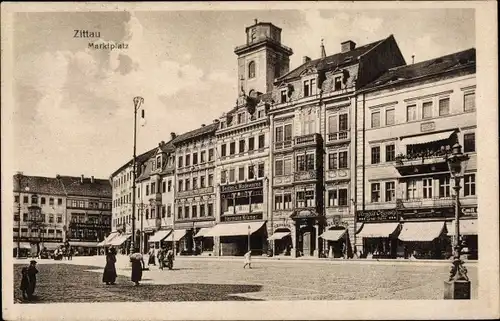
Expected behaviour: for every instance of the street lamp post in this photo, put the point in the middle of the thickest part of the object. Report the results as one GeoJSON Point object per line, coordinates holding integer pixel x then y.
{"type": "Point", "coordinates": [249, 238]}
{"type": "Point", "coordinates": [138, 101]}
{"type": "Point", "coordinates": [458, 284]}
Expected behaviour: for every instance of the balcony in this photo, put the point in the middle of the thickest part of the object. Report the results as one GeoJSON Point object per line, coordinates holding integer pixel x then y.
{"type": "Point", "coordinates": [427, 202]}
{"type": "Point", "coordinates": [339, 137]}
{"type": "Point", "coordinates": [196, 192]}
{"type": "Point", "coordinates": [283, 145]}
{"type": "Point", "coordinates": [412, 165]}
{"type": "Point", "coordinates": [305, 176]}
{"type": "Point", "coordinates": [307, 140]}
{"type": "Point", "coordinates": [283, 180]}
{"type": "Point", "coordinates": [338, 174]}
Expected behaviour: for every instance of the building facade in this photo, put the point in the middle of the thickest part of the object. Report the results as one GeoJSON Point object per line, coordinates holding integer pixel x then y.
{"type": "Point", "coordinates": [50, 211]}
{"type": "Point", "coordinates": [408, 120]}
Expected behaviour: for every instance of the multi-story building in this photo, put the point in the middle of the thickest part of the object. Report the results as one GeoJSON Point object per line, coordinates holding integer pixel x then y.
{"type": "Point", "coordinates": [50, 211]}
{"type": "Point", "coordinates": [312, 152]}
{"type": "Point", "coordinates": [194, 202]}
{"type": "Point", "coordinates": [155, 194]}
{"type": "Point", "coordinates": [88, 211]}
{"type": "Point", "coordinates": [408, 120]}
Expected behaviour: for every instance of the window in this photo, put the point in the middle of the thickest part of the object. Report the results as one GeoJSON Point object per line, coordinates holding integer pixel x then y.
{"type": "Point", "coordinates": [242, 145]}
{"type": "Point", "coordinates": [375, 119]}
{"type": "Point", "coordinates": [260, 170]}
{"type": "Point", "coordinates": [411, 112]}
{"type": "Point", "coordinates": [59, 219]}
{"type": "Point", "coordinates": [310, 161]}
{"type": "Point", "coordinates": [223, 176]}
{"type": "Point", "coordinates": [158, 165]}
{"type": "Point", "coordinates": [210, 209]}
{"type": "Point", "coordinates": [153, 214]}
{"type": "Point", "coordinates": [241, 173]}
{"type": "Point", "coordinates": [16, 198]}
{"type": "Point", "coordinates": [279, 134]}
{"type": "Point", "coordinates": [309, 87]}
{"type": "Point", "coordinates": [342, 196]}
{"type": "Point", "coordinates": [231, 175]}
{"type": "Point", "coordinates": [332, 161]}
{"type": "Point", "coordinates": [251, 143]}
{"type": "Point", "coordinates": [153, 188]}
{"type": "Point", "coordinates": [427, 187]}
{"type": "Point", "coordinates": [179, 212]}
{"type": "Point", "coordinates": [444, 106]}
{"type": "Point", "coordinates": [210, 154]}
{"type": "Point", "coordinates": [343, 160]}
{"type": "Point", "coordinates": [287, 167]}
{"type": "Point", "coordinates": [283, 96]}
{"type": "Point", "coordinates": [338, 83]}
{"type": "Point", "coordinates": [301, 163]}
{"type": "Point", "coordinates": [444, 186]}
{"type": "Point", "coordinates": [251, 172]}
{"type": "Point", "coordinates": [261, 141]}
{"type": "Point", "coordinates": [389, 117]}
{"type": "Point", "coordinates": [42, 201]}
{"type": "Point", "coordinates": [195, 182]}
{"type": "Point", "coordinates": [203, 157]}
{"type": "Point", "coordinates": [390, 153]}
{"type": "Point", "coordinates": [202, 182]}
{"type": "Point", "coordinates": [332, 124]}
{"type": "Point", "coordinates": [163, 211]}
{"type": "Point", "coordinates": [278, 202]}
{"type": "Point", "coordinates": [232, 148]}
{"type": "Point", "coordinates": [251, 69]}
{"type": "Point", "coordinates": [51, 218]}
{"type": "Point", "coordinates": [260, 113]}
{"type": "Point", "coordinates": [195, 158]}
{"type": "Point", "coordinates": [188, 160]}
{"type": "Point", "coordinates": [16, 217]}
{"type": "Point", "coordinates": [187, 184]}
{"type": "Point", "coordinates": [278, 167]}
{"type": "Point", "coordinates": [287, 201]}
{"type": "Point", "coordinates": [470, 102]}
{"type": "Point", "coordinates": [210, 180]}
{"type": "Point", "coordinates": [169, 210]}
{"type": "Point", "coordinates": [470, 185]}
{"type": "Point", "coordinates": [25, 217]}
{"type": "Point", "coordinates": [390, 191]}
{"type": "Point", "coordinates": [194, 211]}
{"type": "Point", "coordinates": [147, 190]}
{"type": "Point", "coordinates": [469, 142]}
{"type": "Point", "coordinates": [343, 122]}
{"type": "Point", "coordinates": [223, 150]}
{"type": "Point", "coordinates": [427, 110]}
{"type": "Point", "coordinates": [241, 118]}
{"type": "Point", "coordinates": [186, 211]}
{"type": "Point", "coordinates": [179, 164]}
{"type": "Point", "coordinates": [288, 132]}
{"type": "Point", "coordinates": [333, 198]}
{"type": "Point", "coordinates": [163, 187]}
{"type": "Point", "coordinates": [308, 124]}
{"type": "Point", "coordinates": [181, 185]}
{"type": "Point", "coordinates": [375, 154]}
{"type": "Point", "coordinates": [202, 210]}
{"type": "Point", "coordinates": [310, 199]}
{"type": "Point", "coordinates": [51, 201]}
{"type": "Point", "coordinates": [375, 192]}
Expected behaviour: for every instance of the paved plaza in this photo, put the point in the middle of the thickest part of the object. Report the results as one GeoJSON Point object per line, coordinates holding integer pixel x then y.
{"type": "Point", "coordinates": [212, 279]}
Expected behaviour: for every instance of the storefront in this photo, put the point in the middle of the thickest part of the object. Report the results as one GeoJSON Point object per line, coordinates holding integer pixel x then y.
{"type": "Point", "coordinates": [282, 239]}
{"type": "Point", "coordinates": [378, 233]}
{"type": "Point", "coordinates": [205, 243]}
{"type": "Point", "coordinates": [337, 242]}
{"type": "Point", "coordinates": [468, 235]}
{"type": "Point", "coordinates": [122, 242]}
{"type": "Point", "coordinates": [237, 238]}
{"type": "Point", "coordinates": [24, 249]}
{"type": "Point", "coordinates": [178, 238]}
{"type": "Point", "coordinates": [83, 248]}
{"type": "Point", "coordinates": [158, 237]}
{"type": "Point", "coordinates": [425, 240]}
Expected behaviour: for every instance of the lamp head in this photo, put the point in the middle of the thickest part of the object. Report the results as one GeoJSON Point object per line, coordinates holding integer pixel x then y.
{"type": "Point", "coordinates": [457, 162]}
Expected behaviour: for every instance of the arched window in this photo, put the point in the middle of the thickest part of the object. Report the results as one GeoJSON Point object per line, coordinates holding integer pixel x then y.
{"type": "Point", "coordinates": [251, 69]}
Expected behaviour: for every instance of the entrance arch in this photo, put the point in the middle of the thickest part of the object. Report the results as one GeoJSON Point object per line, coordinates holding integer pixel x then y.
{"type": "Point", "coordinates": [282, 241]}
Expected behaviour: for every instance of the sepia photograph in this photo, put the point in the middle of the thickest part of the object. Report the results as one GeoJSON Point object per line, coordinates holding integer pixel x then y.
{"type": "Point", "coordinates": [233, 160]}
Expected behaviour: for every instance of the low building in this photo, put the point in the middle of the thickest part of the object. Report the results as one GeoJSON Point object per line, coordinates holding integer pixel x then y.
{"type": "Point", "coordinates": [408, 120]}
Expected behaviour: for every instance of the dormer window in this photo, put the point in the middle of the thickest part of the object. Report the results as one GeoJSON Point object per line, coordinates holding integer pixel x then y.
{"type": "Point", "coordinates": [310, 87]}
{"type": "Point", "coordinates": [283, 96]}
{"type": "Point", "coordinates": [153, 165]}
{"type": "Point", "coordinates": [337, 83]}
{"type": "Point", "coordinates": [251, 69]}
{"type": "Point", "coordinates": [241, 118]}
{"type": "Point", "coordinates": [158, 162]}
{"type": "Point", "coordinates": [222, 124]}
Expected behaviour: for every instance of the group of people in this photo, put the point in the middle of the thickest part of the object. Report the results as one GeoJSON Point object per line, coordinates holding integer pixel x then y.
{"type": "Point", "coordinates": [137, 261]}
{"type": "Point", "coordinates": [165, 257]}
{"type": "Point", "coordinates": [28, 280]}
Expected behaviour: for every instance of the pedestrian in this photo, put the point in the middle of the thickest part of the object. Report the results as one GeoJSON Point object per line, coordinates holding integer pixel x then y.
{"type": "Point", "coordinates": [137, 265]}
{"type": "Point", "coordinates": [24, 282]}
{"type": "Point", "coordinates": [161, 257]}
{"type": "Point", "coordinates": [248, 259]}
{"type": "Point", "coordinates": [109, 275]}
{"type": "Point", "coordinates": [151, 259]}
{"type": "Point", "coordinates": [31, 273]}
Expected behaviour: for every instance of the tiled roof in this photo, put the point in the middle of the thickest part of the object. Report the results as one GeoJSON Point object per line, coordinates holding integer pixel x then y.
{"type": "Point", "coordinates": [211, 128]}
{"type": "Point", "coordinates": [332, 61]}
{"type": "Point", "coordinates": [74, 186]}
{"type": "Point", "coordinates": [40, 185]}
{"type": "Point", "coordinates": [140, 158]}
{"type": "Point", "coordinates": [458, 60]}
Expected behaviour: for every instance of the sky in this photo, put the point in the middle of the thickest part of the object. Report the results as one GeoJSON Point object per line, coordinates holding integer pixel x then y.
{"type": "Point", "coordinates": [73, 106]}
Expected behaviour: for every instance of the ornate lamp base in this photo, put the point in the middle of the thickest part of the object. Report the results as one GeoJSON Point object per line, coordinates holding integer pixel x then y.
{"type": "Point", "coordinates": [458, 285]}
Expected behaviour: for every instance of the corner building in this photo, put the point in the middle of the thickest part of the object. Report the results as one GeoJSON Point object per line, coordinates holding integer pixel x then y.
{"type": "Point", "coordinates": [312, 154]}
{"type": "Point", "coordinates": [408, 120]}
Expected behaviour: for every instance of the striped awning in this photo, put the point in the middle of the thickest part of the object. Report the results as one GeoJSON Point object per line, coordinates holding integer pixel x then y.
{"type": "Point", "coordinates": [374, 230]}
{"type": "Point", "coordinates": [333, 235]}
{"type": "Point", "coordinates": [159, 236]}
{"type": "Point", "coordinates": [176, 235]}
{"type": "Point", "coordinates": [119, 240]}
{"type": "Point", "coordinates": [202, 232]}
{"type": "Point", "coordinates": [421, 231]}
{"type": "Point", "coordinates": [235, 229]}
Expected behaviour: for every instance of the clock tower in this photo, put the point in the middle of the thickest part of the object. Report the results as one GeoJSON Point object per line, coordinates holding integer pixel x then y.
{"type": "Point", "coordinates": [262, 59]}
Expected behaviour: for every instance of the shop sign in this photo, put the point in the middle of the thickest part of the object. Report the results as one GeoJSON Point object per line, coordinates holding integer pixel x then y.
{"type": "Point", "coordinates": [242, 217]}
{"type": "Point", "coordinates": [429, 214]}
{"type": "Point", "coordinates": [241, 186]}
{"type": "Point", "coordinates": [391, 215]}
{"type": "Point", "coordinates": [282, 225]}
{"type": "Point", "coordinates": [469, 211]}
{"type": "Point", "coordinates": [336, 221]}
{"type": "Point", "coordinates": [426, 127]}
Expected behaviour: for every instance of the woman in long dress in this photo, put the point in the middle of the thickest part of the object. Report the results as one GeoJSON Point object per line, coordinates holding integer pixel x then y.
{"type": "Point", "coordinates": [137, 265]}
{"type": "Point", "coordinates": [109, 276]}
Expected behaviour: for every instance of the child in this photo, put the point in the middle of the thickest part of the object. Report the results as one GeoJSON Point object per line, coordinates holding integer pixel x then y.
{"type": "Point", "coordinates": [248, 259]}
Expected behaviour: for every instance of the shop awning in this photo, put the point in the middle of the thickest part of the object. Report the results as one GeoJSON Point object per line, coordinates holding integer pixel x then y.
{"type": "Point", "coordinates": [176, 235]}
{"type": "Point", "coordinates": [51, 246]}
{"type": "Point", "coordinates": [422, 139]}
{"type": "Point", "coordinates": [83, 244]}
{"type": "Point", "coordinates": [467, 227]}
{"type": "Point", "coordinates": [377, 229]}
{"type": "Point", "coordinates": [202, 232]}
{"type": "Point", "coordinates": [235, 229]}
{"type": "Point", "coordinates": [108, 239]}
{"type": "Point", "coordinates": [119, 240]}
{"type": "Point", "coordinates": [159, 236]}
{"type": "Point", "coordinates": [278, 236]}
{"type": "Point", "coordinates": [333, 235]}
{"type": "Point", "coordinates": [22, 245]}
{"type": "Point", "coordinates": [421, 231]}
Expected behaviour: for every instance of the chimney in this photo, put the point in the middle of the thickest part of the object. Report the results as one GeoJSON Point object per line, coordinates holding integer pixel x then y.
{"type": "Point", "coordinates": [323, 51]}
{"type": "Point", "coordinates": [58, 176]}
{"type": "Point", "coordinates": [81, 179]}
{"type": "Point", "coordinates": [172, 135]}
{"type": "Point", "coordinates": [92, 179]}
{"type": "Point", "coordinates": [305, 59]}
{"type": "Point", "coordinates": [216, 121]}
{"type": "Point", "coordinates": [347, 46]}
{"type": "Point", "coordinates": [202, 125]}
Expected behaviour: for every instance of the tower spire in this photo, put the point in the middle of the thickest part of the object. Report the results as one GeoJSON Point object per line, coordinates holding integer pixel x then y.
{"type": "Point", "coordinates": [323, 52]}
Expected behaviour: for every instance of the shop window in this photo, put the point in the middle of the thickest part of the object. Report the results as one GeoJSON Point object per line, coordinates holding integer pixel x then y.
{"type": "Point", "coordinates": [411, 112]}
{"type": "Point", "coordinates": [470, 185]}
{"type": "Point", "coordinates": [469, 143]}
{"type": "Point", "coordinates": [390, 191]}
{"type": "Point", "coordinates": [444, 106]}
{"type": "Point", "coordinates": [390, 153]}
{"type": "Point", "coordinates": [375, 159]}
{"type": "Point", "coordinates": [375, 121]}
{"type": "Point", "coordinates": [444, 186]}
{"type": "Point", "coordinates": [469, 102]}
{"type": "Point", "coordinates": [375, 192]}
{"type": "Point", "coordinates": [427, 188]}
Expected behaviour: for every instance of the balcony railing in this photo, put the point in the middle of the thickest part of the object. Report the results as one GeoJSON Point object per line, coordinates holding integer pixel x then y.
{"type": "Point", "coordinates": [339, 136]}
{"type": "Point", "coordinates": [283, 144]}
{"type": "Point", "coordinates": [305, 176]}
{"type": "Point", "coordinates": [311, 139]}
{"type": "Point", "coordinates": [427, 202]}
